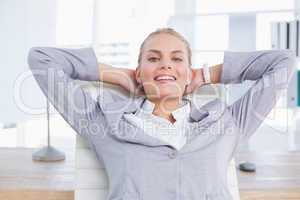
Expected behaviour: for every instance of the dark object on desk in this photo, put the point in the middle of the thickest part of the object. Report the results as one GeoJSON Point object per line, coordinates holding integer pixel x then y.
{"type": "Point", "coordinates": [247, 167]}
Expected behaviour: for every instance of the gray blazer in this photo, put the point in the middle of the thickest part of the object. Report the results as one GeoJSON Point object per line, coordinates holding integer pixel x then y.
{"type": "Point", "coordinates": [141, 167]}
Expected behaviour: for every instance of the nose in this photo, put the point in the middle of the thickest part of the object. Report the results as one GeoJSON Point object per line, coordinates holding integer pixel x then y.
{"type": "Point", "coordinates": [166, 64]}
{"type": "Point", "coordinates": [166, 67]}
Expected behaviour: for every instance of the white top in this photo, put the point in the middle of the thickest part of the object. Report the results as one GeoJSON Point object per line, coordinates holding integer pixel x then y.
{"type": "Point", "coordinates": [161, 128]}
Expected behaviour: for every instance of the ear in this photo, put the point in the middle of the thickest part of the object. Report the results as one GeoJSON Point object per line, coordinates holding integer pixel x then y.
{"type": "Point", "coordinates": [138, 75]}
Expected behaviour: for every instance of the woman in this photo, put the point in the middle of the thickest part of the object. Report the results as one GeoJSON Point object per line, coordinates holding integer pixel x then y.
{"type": "Point", "coordinates": [146, 162]}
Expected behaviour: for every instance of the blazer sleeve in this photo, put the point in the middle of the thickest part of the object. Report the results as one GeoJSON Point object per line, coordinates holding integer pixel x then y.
{"type": "Point", "coordinates": [271, 71]}
{"type": "Point", "coordinates": [55, 70]}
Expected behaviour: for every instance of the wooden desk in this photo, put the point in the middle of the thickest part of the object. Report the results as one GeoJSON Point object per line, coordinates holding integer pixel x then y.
{"type": "Point", "coordinates": [22, 178]}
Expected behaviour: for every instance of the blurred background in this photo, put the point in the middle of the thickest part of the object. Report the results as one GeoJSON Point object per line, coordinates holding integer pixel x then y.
{"type": "Point", "coordinates": [115, 29]}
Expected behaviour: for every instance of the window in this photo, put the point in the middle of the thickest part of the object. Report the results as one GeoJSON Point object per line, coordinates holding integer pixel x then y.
{"type": "Point", "coordinates": [209, 57]}
{"type": "Point", "coordinates": [211, 39]}
{"type": "Point", "coordinates": [128, 22]}
{"type": "Point", "coordinates": [74, 22]}
{"type": "Point", "coordinates": [211, 32]}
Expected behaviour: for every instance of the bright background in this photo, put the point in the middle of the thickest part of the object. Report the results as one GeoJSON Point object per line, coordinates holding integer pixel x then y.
{"type": "Point", "coordinates": [115, 29]}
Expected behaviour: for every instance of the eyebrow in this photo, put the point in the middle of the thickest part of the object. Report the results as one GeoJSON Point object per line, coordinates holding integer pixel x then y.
{"type": "Point", "coordinates": [159, 52]}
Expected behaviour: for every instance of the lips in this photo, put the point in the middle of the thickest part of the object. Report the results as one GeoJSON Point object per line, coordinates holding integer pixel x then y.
{"type": "Point", "coordinates": [165, 78]}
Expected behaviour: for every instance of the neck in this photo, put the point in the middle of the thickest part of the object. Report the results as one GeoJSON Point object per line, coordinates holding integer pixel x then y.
{"type": "Point", "coordinates": [164, 108]}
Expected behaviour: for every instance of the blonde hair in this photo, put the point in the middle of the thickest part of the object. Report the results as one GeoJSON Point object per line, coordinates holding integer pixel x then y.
{"type": "Point", "coordinates": [171, 32]}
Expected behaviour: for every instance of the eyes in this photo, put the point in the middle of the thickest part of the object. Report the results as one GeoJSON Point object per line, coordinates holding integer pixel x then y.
{"type": "Point", "coordinates": [157, 59]}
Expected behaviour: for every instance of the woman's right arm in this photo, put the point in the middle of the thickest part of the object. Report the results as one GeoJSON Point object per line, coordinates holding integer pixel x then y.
{"type": "Point", "coordinates": [55, 70]}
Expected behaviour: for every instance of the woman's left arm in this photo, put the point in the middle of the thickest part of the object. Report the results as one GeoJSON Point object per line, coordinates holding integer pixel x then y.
{"type": "Point", "coordinates": [270, 69]}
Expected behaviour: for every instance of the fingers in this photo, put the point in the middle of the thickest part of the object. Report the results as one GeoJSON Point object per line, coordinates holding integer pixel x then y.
{"type": "Point", "coordinates": [139, 90]}
{"type": "Point", "coordinates": [193, 86]}
{"type": "Point", "coordinates": [188, 89]}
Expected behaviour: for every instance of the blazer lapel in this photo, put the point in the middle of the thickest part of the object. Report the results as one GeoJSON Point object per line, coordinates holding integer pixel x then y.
{"type": "Point", "coordinates": [201, 117]}
{"type": "Point", "coordinates": [202, 130]}
{"type": "Point", "coordinates": [114, 111]}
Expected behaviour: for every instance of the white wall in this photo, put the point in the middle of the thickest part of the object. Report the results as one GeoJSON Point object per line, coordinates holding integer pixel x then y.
{"type": "Point", "coordinates": [242, 37]}
{"type": "Point", "coordinates": [23, 24]}
{"type": "Point", "coordinates": [242, 32]}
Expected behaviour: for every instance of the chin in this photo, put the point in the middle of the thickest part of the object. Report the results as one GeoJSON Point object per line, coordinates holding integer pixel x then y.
{"type": "Point", "coordinates": [164, 92]}
{"type": "Point", "coordinates": [169, 94]}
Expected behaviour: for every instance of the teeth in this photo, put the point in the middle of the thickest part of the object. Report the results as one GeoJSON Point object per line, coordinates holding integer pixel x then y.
{"type": "Point", "coordinates": [165, 77]}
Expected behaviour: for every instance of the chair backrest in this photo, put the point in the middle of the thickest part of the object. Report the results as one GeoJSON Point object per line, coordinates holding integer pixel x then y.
{"type": "Point", "coordinates": [91, 178]}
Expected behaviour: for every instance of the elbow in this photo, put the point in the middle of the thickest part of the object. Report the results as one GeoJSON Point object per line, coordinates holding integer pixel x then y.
{"type": "Point", "coordinates": [33, 57]}
{"type": "Point", "coordinates": [288, 63]}
{"type": "Point", "coordinates": [36, 57]}
{"type": "Point", "coordinates": [289, 57]}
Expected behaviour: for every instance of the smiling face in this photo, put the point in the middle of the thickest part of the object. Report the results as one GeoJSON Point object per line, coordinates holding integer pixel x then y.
{"type": "Point", "coordinates": [164, 67]}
